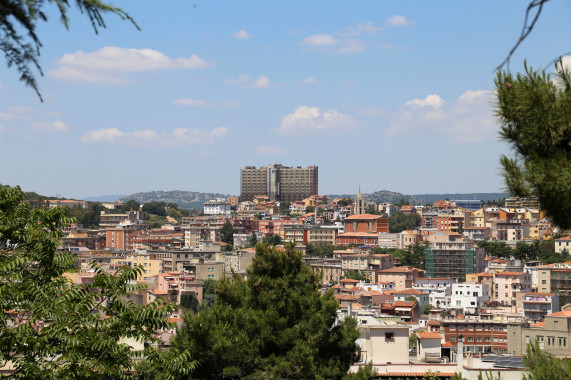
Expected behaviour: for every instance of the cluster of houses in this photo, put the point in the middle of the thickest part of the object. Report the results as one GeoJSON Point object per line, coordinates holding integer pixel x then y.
{"type": "Point", "coordinates": [466, 311]}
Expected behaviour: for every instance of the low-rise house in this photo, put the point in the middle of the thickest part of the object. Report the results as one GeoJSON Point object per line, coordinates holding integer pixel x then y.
{"type": "Point", "coordinates": [403, 277]}
{"type": "Point", "coordinates": [468, 296]}
{"type": "Point", "coordinates": [381, 342]}
{"type": "Point", "coordinates": [429, 347]}
{"type": "Point", "coordinates": [438, 289]}
{"type": "Point", "coordinates": [537, 305]}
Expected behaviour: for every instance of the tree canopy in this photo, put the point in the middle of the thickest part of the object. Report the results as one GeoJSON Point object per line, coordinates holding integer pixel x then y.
{"type": "Point", "coordinates": [18, 22]}
{"type": "Point", "coordinates": [53, 328]}
{"type": "Point", "coordinates": [276, 324]}
{"type": "Point", "coordinates": [534, 112]}
{"type": "Point", "coordinates": [400, 221]}
{"type": "Point", "coordinates": [227, 233]}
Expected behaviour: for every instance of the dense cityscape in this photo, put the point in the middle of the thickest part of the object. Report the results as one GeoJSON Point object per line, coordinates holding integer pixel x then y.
{"type": "Point", "coordinates": [425, 282]}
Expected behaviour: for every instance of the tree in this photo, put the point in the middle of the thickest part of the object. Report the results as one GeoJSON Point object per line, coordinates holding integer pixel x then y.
{"type": "Point", "coordinates": [53, 328]}
{"type": "Point", "coordinates": [253, 240]}
{"type": "Point", "coordinates": [155, 208]}
{"type": "Point", "coordinates": [543, 366]}
{"type": "Point", "coordinates": [189, 301]}
{"type": "Point", "coordinates": [131, 205]}
{"type": "Point", "coordinates": [411, 298]}
{"type": "Point", "coordinates": [227, 233]}
{"type": "Point", "coordinates": [427, 308]}
{"type": "Point", "coordinates": [534, 112]}
{"type": "Point", "coordinates": [400, 221]}
{"type": "Point", "coordinates": [88, 217]}
{"type": "Point", "coordinates": [354, 275]}
{"type": "Point", "coordinates": [19, 41]}
{"type": "Point", "coordinates": [275, 324]}
{"type": "Point", "coordinates": [272, 240]}
{"type": "Point", "coordinates": [496, 248]}
{"type": "Point", "coordinates": [415, 255]}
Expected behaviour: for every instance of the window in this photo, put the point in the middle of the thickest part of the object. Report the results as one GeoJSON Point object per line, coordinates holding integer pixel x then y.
{"type": "Point", "coordinates": [543, 282]}
{"type": "Point", "coordinates": [452, 327]}
{"type": "Point", "coordinates": [389, 337]}
{"type": "Point", "coordinates": [527, 339]}
{"type": "Point", "coordinates": [487, 327]}
{"type": "Point", "coordinates": [470, 339]}
{"type": "Point", "coordinates": [461, 328]}
{"type": "Point", "coordinates": [478, 339]}
{"type": "Point", "coordinates": [562, 342]}
{"type": "Point", "coordinates": [453, 339]}
{"type": "Point", "coordinates": [470, 327]}
{"type": "Point", "coordinates": [488, 339]}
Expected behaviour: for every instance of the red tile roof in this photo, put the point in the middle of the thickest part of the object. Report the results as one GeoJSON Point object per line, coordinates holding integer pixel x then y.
{"type": "Point", "coordinates": [429, 335]}
{"type": "Point", "coordinates": [363, 216]}
{"type": "Point", "coordinates": [561, 314]}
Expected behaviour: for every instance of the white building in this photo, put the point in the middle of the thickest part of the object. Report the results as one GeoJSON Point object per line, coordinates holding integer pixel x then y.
{"type": "Point", "coordinates": [537, 305]}
{"type": "Point", "coordinates": [439, 290]}
{"type": "Point", "coordinates": [381, 342]}
{"type": "Point", "coordinates": [562, 244]}
{"type": "Point", "coordinates": [218, 206]}
{"type": "Point", "coordinates": [468, 296]}
{"type": "Point", "coordinates": [532, 267]}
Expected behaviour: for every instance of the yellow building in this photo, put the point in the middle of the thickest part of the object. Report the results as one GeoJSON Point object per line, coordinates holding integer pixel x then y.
{"type": "Point", "coordinates": [151, 265]}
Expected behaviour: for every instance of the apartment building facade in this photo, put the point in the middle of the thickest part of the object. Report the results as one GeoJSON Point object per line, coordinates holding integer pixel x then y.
{"type": "Point", "coordinates": [453, 259]}
{"type": "Point", "coordinates": [278, 182]}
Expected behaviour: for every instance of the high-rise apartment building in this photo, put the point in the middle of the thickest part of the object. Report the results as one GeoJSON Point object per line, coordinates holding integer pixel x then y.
{"type": "Point", "coordinates": [278, 182]}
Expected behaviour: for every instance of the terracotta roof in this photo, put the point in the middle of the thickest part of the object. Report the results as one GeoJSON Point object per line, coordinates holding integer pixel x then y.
{"type": "Point", "coordinates": [433, 323]}
{"type": "Point", "coordinates": [429, 335]}
{"type": "Point", "coordinates": [561, 314]}
{"type": "Point", "coordinates": [447, 344]}
{"type": "Point", "coordinates": [405, 304]}
{"type": "Point", "coordinates": [174, 320]}
{"type": "Point", "coordinates": [539, 294]}
{"type": "Point", "coordinates": [413, 374]}
{"type": "Point", "coordinates": [399, 269]}
{"type": "Point", "coordinates": [348, 234]}
{"type": "Point", "coordinates": [375, 293]}
{"type": "Point", "coordinates": [539, 324]}
{"type": "Point", "coordinates": [347, 280]}
{"type": "Point", "coordinates": [363, 216]}
{"type": "Point", "coordinates": [509, 273]}
{"type": "Point", "coordinates": [411, 291]}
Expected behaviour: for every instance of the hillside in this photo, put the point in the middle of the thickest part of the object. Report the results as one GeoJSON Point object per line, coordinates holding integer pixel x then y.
{"type": "Point", "coordinates": [184, 199]}
{"type": "Point", "coordinates": [394, 197]}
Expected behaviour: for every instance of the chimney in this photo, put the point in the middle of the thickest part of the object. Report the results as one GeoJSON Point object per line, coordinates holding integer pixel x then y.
{"type": "Point", "coordinates": [460, 355]}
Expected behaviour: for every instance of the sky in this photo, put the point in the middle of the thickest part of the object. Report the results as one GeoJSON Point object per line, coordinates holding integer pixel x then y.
{"type": "Point", "coordinates": [385, 95]}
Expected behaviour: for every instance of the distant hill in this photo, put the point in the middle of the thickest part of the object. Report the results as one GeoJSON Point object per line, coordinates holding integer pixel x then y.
{"type": "Point", "coordinates": [394, 197]}
{"type": "Point", "coordinates": [184, 199]}
{"type": "Point", "coordinates": [105, 198]}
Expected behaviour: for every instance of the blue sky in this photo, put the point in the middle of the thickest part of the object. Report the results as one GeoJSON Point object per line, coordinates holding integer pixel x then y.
{"type": "Point", "coordinates": [385, 94]}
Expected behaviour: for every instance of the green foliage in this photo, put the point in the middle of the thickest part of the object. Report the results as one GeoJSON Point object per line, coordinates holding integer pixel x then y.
{"type": "Point", "coordinates": [427, 308]}
{"type": "Point", "coordinates": [496, 248]}
{"type": "Point", "coordinates": [80, 325]}
{"type": "Point", "coordinates": [323, 250]}
{"type": "Point", "coordinates": [276, 324]}
{"type": "Point", "coordinates": [372, 209]}
{"type": "Point", "coordinates": [534, 112]}
{"type": "Point", "coordinates": [18, 22]}
{"type": "Point", "coordinates": [355, 275]}
{"type": "Point", "coordinates": [402, 202]}
{"type": "Point", "coordinates": [309, 209]}
{"type": "Point", "coordinates": [543, 366]}
{"type": "Point", "coordinates": [366, 372]}
{"type": "Point", "coordinates": [227, 233]}
{"type": "Point", "coordinates": [89, 217]}
{"type": "Point", "coordinates": [411, 298]}
{"type": "Point", "coordinates": [131, 205]}
{"type": "Point", "coordinates": [155, 208]}
{"type": "Point", "coordinates": [415, 255]}
{"type": "Point", "coordinates": [345, 202]}
{"type": "Point", "coordinates": [253, 240]}
{"type": "Point", "coordinates": [400, 221]}
{"type": "Point", "coordinates": [189, 301]}
{"type": "Point", "coordinates": [272, 240]}
{"type": "Point", "coordinates": [412, 340]}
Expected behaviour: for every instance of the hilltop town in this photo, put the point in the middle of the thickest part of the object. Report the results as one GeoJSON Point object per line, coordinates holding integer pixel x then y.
{"type": "Point", "coordinates": [455, 285]}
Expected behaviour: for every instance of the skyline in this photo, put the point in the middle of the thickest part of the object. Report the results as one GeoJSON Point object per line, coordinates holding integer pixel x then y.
{"type": "Point", "coordinates": [381, 95]}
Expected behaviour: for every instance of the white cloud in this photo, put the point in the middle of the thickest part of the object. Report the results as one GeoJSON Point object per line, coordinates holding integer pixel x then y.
{"type": "Point", "coordinates": [431, 100]}
{"type": "Point", "coordinates": [357, 30]}
{"type": "Point", "coordinates": [151, 138]}
{"type": "Point", "coordinates": [320, 40]}
{"type": "Point", "coordinates": [190, 102]}
{"type": "Point", "coordinates": [308, 120]}
{"type": "Point", "coordinates": [246, 81]}
{"type": "Point", "coordinates": [399, 20]}
{"type": "Point", "coordinates": [3, 129]}
{"type": "Point", "coordinates": [351, 46]}
{"type": "Point", "coordinates": [308, 80]}
{"type": "Point", "coordinates": [271, 150]}
{"type": "Point", "coordinates": [241, 35]}
{"type": "Point", "coordinates": [105, 64]}
{"type": "Point", "coordinates": [468, 119]}
{"type": "Point", "coordinates": [54, 126]}
{"type": "Point", "coordinates": [328, 43]}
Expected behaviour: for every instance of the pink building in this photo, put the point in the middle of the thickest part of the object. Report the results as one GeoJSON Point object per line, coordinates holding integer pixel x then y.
{"type": "Point", "coordinates": [507, 284]}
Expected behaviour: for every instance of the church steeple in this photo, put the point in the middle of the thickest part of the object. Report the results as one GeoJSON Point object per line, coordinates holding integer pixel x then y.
{"type": "Point", "coordinates": [359, 204]}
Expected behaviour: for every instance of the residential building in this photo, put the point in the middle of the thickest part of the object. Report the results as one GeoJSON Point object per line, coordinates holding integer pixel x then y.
{"type": "Point", "coordinates": [317, 235]}
{"type": "Point", "coordinates": [503, 265]}
{"type": "Point", "coordinates": [563, 244]}
{"type": "Point", "coordinates": [403, 277]}
{"type": "Point", "coordinates": [421, 296]}
{"type": "Point", "coordinates": [429, 347]}
{"type": "Point", "coordinates": [532, 267]}
{"type": "Point", "coordinates": [507, 284]}
{"type": "Point", "coordinates": [480, 335]}
{"type": "Point", "coordinates": [110, 219]}
{"type": "Point", "coordinates": [553, 335]}
{"type": "Point", "coordinates": [278, 182]}
{"type": "Point", "coordinates": [218, 206]}
{"type": "Point", "coordinates": [453, 259]}
{"type": "Point", "coordinates": [120, 238]}
{"type": "Point", "coordinates": [468, 204]}
{"type": "Point", "coordinates": [537, 305]}
{"type": "Point", "coordinates": [468, 296]}
{"type": "Point", "coordinates": [382, 342]}
{"type": "Point", "coordinates": [438, 289]}
{"type": "Point", "coordinates": [555, 278]}
{"type": "Point", "coordinates": [516, 202]}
